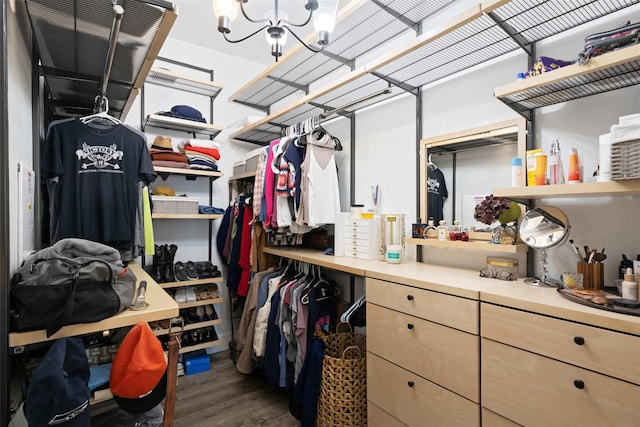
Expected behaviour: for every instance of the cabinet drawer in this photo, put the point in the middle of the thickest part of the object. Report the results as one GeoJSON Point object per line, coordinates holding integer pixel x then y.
{"type": "Point", "coordinates": [534, 390]}
{"type": "Point", "coordinates": [491, 419]}
{"type": "Point", "coordinates": [604, 351]}
{"type": "Point", "coordinates": [414, 400]}
{"type": "Point", "coordinates": [351, 233]}
{"type": "Point", "coordinates": [376, 417]}
{"type": "Point", "coordinates": [446, 356]}
{"type": "Point", "coordinates": [449, 310]}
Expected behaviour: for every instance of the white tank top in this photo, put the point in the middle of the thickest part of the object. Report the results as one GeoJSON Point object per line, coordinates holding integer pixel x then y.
{"type": "Point", "coordinates": [324, 192]}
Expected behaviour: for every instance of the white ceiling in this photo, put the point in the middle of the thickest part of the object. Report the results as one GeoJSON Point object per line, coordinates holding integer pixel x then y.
{"type": "Point", "coordinates": [197, 24]}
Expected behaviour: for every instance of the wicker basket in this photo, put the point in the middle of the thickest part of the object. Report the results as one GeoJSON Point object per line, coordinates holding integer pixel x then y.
{"type": "Point", "coordinates": [342, 400]}
{"type": "Point", "coordinates": [625, 160]}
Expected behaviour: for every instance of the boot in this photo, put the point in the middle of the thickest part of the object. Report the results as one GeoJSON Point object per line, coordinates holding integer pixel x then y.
{"type": "Point", "coordinates": [170, 254]}
{"type": "Point", "coordinates": [158, 264]}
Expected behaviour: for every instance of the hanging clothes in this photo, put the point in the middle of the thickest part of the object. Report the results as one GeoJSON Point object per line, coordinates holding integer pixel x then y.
{"type": "Point", "coordinates": [92, 174]}
{"type": "Point", "coordinates": [436, 193]}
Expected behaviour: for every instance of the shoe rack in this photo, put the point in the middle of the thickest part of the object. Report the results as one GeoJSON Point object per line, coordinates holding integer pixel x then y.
{"type": "Point", "coordinates": [196, 291]}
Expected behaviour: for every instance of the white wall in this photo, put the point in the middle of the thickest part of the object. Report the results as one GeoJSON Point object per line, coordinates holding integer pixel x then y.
{"type": "Point", "coordinates": [20, 122]}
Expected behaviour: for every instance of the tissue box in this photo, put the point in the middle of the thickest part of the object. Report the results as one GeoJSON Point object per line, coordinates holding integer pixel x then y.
{"type": "Point", "coordinates": [197, 361]}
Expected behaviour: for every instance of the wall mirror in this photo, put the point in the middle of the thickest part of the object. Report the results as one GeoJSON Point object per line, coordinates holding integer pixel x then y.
{"type": "Point", "coordinates": [473, 162]}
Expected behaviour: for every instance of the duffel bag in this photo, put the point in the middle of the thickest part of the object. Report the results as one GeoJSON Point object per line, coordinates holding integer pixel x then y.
{"type": "Point", "coordinates": [72, 281]}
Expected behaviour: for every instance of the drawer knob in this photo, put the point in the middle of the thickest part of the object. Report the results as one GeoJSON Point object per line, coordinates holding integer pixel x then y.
{"type": "Point", "coordinates": [411, 383]}
{"type": "Point", "coordinates": [578, 340]}
{"type": "Point", "coordinates": [410, 297]}
{"type": "Point", "coordinates": [579, 384]}
{"type": "Point", "coordinates": [410, 325]}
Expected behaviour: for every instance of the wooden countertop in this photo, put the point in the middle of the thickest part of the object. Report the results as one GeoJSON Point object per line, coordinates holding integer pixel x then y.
{"type": "Point", "coordinates": [468, 284]}
{"type": "Point", "coordinates": [161, 306]}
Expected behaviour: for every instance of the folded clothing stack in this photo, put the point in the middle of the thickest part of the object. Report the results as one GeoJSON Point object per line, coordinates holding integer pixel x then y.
{"type": "Point", "coordinates": [163, 154]}
{"type": "Point", "coordinates": [201, 154]}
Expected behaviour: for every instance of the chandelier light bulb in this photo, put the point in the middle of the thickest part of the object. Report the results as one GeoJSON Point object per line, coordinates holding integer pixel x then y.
{"type": "Point", "coordinates": [324, 20]}
{"type": "Point", "coordinates": [226, 11]}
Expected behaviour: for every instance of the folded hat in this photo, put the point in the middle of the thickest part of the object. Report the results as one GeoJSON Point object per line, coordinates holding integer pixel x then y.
{"type": "Point", "coordinates": [184, 112]}
{"type": "Point", "coordinates": [58, 393]}
{"type": "Point", "coordinates": [162, 143]}
{"type": "Point", "coordinates": [163, 190]}
{"type": "Point", "coordinates": [138, 378]}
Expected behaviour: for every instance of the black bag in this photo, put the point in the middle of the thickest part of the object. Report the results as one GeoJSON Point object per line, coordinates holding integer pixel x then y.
{"type": "Point", "coordinates": [73, 281]}
{"type": "Point", "coordinates": [606, 41]}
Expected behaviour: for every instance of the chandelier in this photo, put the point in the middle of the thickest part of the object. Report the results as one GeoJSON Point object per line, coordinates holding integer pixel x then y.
{"type": "Point", "coordinates": [276, 23]}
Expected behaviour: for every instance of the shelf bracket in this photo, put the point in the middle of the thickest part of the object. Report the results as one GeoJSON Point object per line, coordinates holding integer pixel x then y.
{"type": "Point", "coordinates": [351, 63]}
{"type": "Point", "coordinates": [407, 88]}
{"type": "Point", "coordinates": [256, 106]}
{"type": "Point", "coordinates": [304, 88]}
{"type": "Point", "coordinates": [415, 26]}
{"type": "Point", "coordinates": [515, 36]}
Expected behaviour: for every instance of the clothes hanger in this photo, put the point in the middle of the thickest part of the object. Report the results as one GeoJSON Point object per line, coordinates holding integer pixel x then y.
{"type": "Point", "coordinates": [430, 163]}
{"type": "Point", "coordinates": [102, 116]}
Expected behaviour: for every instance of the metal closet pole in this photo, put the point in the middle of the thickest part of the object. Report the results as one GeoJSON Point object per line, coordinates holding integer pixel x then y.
{"type": "Point", "coordinates": [118, 11]}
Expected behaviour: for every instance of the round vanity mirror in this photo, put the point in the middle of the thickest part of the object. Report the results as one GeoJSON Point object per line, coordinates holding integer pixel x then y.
{"type": "Point", "coordinates": [541, 228]}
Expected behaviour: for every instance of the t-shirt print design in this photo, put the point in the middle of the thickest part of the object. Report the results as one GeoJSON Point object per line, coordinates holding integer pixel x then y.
{"type": "Point", "coordinates": [100, 157]}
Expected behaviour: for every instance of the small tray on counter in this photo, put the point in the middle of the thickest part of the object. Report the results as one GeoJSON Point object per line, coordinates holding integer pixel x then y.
{"type": "Point", "coordinates": [585, 299]}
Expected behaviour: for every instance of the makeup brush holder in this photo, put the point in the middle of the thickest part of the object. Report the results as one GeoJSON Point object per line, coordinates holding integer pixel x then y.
{"type": "Point", "coordinates": [592, 275]}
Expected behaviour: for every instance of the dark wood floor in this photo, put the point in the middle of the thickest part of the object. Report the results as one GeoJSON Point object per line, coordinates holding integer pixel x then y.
{"type": "Point", "coordinates": [224, 397]}
{"type": "Point", "coordinates": [221, 397]}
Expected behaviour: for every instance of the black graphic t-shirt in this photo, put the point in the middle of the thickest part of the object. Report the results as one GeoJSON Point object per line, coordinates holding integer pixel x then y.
{"type": "Point", "coordinates": [93, 177]}
{"type": "Point", "coordinates": [436, 193]}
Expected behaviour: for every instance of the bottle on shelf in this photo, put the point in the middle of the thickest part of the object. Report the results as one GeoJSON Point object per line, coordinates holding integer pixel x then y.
{"type": "Point", "coordinates": [556, 174]}
{"type": "Point", "coordinates": [430, 231]}
{"type": "Point", "coordinates": [442, 230]}
{"type": "Point", "coordinates": [517, 172]}
{"type": "Point", "coordinates": [574, 167]}
{"type": "Point", "coordinates": [630, 285]}
{"type": "Point", "coordinates": [455, 233]}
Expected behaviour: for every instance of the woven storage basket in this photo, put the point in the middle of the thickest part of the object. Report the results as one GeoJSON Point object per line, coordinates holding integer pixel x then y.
{"type": "Point", "coordinates": [625, 160]}
{"type": "Point", "coordinates": [342, 400]}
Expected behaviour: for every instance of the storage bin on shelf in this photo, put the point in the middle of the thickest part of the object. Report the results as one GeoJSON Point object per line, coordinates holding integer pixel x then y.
{"type": "Point", "coordinates": [238, 167]}
{"type": "Point", "coordinates": [625, 149]}
{"type": "Point", "coordinates": [251, 160]}
{"type": "Point", "coordinates": [174, 205]}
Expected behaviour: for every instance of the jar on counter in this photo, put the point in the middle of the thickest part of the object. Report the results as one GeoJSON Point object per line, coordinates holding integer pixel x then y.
{"type": "Point", "coordinates": [442, 230]}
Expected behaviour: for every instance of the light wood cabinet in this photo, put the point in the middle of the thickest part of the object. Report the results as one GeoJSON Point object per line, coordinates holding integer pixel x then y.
{"type": "Point", "coordinates": [422, 355]}
{"type": "Point", "coordinates": [448, 310]}
{"type": "Point", "coordinates": [534, 390]}
{"type": "Point", "coordinates": [414, 400]}
{"type": "Point", "coordinates": [540, 370]}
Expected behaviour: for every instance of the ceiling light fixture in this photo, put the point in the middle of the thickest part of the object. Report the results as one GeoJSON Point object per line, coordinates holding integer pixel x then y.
{"type": "Point", "coordinates": [276, 23]}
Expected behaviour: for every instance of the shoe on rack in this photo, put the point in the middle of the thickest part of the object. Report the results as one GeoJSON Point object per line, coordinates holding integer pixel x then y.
{"type": "Point", "coordinates": [200, 313]}
{"type": "Point", "coordinates": [210, 312]}
{"type": "Point", "coordinates": [158, 264]}
{"type": "Point", "coordinates": [180, 296]}
{"type": "Point", "coordinates": [190, 294]}
{"type": "Point", "coordinates": [180, 272]}
{"type": "Point", "coordinates": [207, 291]}
{"type": "Point", "coordinates": [170, 254]}
{"type": "Point", "coordinates": [192, 273]}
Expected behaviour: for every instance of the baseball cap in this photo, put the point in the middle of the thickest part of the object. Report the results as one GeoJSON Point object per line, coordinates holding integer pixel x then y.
{"type": "Point", "coordinates": [138, 377]}
{"type": "Point", "coordinates": [58, 392]}
{"type": "Point", "coordinates": [184, 112]}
